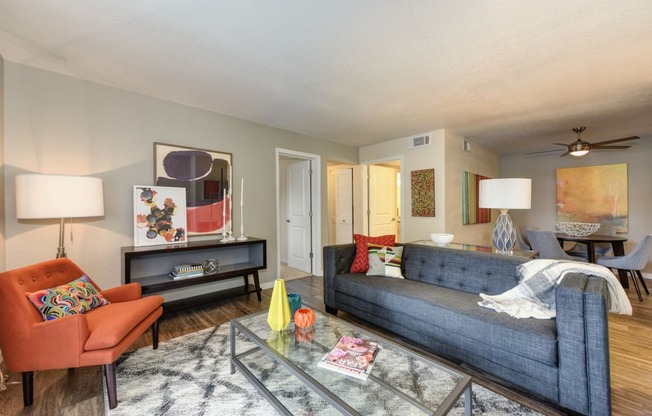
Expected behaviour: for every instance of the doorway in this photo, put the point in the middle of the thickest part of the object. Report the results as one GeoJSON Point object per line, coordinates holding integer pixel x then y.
{"type": "Point", "coordinates": [384, 198]}
{"type": "Point", "coordinates": [299, 214]}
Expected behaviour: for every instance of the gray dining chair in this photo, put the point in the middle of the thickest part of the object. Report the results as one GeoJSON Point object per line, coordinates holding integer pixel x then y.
{"type": "Point", "coordinates": [632, 263]}
{"type": "Point", "coordinates": [601, 249]}
{"type": "Point", "coordinates": [522, 240]}
{"type": "Point", "coordinates": [548, 247]}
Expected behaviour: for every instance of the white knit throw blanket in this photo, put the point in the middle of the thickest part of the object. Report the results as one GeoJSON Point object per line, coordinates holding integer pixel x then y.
{"type": "Point", "coordinates": [534, 297]}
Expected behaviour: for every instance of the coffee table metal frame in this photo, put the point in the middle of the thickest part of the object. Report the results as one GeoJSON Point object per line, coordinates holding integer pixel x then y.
{"type": "Point", "coordinates": [463, 386]}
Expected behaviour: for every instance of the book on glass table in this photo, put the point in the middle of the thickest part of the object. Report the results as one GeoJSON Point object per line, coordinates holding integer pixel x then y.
{"type": "Point", "coordinates": [351, 356]}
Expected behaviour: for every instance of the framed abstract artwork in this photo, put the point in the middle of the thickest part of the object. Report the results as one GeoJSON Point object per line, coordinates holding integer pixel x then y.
{"type": "Point", "coordinates": [594, 194]}
{"type": "Point", "coordinates": [159, 215]}
{"type": "Point", "coordinates": [471, 211]}
{"type": "Point", "coordinates": [206, 177]}
{"type": "Point", "coordinates": [423, 192]}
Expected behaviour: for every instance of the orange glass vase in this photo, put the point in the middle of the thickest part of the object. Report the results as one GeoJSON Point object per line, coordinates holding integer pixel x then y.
{"type": "Point", "coordinates": [304, 318]}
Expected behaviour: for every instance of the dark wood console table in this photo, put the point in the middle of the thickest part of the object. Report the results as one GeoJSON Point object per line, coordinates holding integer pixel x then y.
{"type": "Point", "coordinates": [150, 266]}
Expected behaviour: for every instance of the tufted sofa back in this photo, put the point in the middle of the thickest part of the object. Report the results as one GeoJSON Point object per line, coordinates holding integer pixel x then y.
{"type": "Point", "coordinates": [18, 312]}
{"type": "Point", "coordinates": [469, 271]}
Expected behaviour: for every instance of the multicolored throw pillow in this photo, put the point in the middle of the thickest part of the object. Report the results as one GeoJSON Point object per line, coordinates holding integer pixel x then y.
{"type": "Point", "coordinates": [78, 296]}
{"type": "Point", "coordinates": [361, 261]}
{"type": "Point", "coordinates": [385, 261]}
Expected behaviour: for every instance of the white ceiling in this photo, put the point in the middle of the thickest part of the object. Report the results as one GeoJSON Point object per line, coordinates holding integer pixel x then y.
{"type": "Point", "coordinates": [512, 75]}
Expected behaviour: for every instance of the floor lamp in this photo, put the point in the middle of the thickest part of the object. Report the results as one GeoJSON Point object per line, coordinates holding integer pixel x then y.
{"type": "Point", "coordinates": [41, 196]}
{"type": "Point", "coordinates": [505, 194]}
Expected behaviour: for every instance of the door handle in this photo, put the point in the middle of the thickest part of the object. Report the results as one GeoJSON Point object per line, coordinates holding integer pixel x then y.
{"type": "Point", "coordinates": [288, 220]}
{"type": "Point", "coordinates": [393, 219]}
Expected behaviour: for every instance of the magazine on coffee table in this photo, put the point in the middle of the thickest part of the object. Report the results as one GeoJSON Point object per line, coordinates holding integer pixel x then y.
{"type": "Point", "coordinates": [351, 356]}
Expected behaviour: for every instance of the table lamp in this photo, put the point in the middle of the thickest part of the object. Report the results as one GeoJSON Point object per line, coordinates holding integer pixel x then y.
{"type": "Point", "coordinates": [40, 196]}
{"type": "Point", "coordinates": [505, 194]}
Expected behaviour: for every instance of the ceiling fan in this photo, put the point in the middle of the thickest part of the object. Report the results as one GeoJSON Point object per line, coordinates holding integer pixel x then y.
{"type": "Point", "coordinates": [581, 148]}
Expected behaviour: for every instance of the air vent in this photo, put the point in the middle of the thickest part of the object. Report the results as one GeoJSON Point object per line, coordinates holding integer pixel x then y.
{"type": "Point", "coordinates": [420, 141]}
{"type": "Point", "coordinates": [467, 146]}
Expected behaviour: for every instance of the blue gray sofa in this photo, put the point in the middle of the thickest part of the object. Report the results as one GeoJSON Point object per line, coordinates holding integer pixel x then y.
{"type": "Point", "coordinates": [564, 360]}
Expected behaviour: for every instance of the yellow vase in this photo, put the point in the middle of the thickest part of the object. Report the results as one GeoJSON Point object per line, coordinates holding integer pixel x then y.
{"type": "Point", "coordinates": [278, 316]}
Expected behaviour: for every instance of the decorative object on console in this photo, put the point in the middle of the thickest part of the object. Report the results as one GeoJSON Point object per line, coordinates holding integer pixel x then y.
{"type": "Point", "coordinates": [295, 303]}
{"type": "Point", "coordinates": [242, 235]}
{"type": "Point", "coordinates": [505, 194]}
{"type": "Point", "coordinates": [441, 238]}
{"type": "Point", "coordinates": [40, 196]}
{"type": "Point", "coordinates": [361, 261]}
{"type": "Point", "coordinates": [578, 229]}
{"type": "Point", "coordinates": [159, 215]}
{"type": "Point", "coordinates": [205, 175]}
{"type": "Point", "coordinates": [423, 192]}
{"type": "Point", "coordinates": [594, 194]}
{"type": "Point", "coordinates": [304, 318]}
{"type": "Point", "coordinates": [384, 261]}
{"type": "Point", "coordinates": [471, 211]}
{"type": "Point", "coordinates": [211, 266]}
{"type": "Point", "coordinates": [278, 316]}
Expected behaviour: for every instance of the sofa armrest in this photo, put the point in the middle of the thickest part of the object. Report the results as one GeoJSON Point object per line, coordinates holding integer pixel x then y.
{"type": "Point", "coordinates": [337, 260]}
{"type": "Point", "coordinates": [49, 344]}
{"type": "Point", "coordinates": [583, 342]}
{"type": "Point", "coordinates": [124, 293]}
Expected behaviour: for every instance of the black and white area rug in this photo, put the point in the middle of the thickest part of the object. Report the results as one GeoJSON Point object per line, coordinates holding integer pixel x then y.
{"type": "Point", "coordinates": [190, 376]}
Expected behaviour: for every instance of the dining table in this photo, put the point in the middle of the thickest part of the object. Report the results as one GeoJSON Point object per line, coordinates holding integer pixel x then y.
{"type": "Point", "coordinates": [617, 245]}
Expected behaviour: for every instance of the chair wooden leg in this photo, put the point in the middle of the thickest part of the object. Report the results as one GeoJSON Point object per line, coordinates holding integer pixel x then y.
{"type": "Point", "coordinates": [109, 375]}
{"type": "Point", "coordinates": [638, 290]}
{"type": "Point", "coordinates": [28, 388]}
{"type": "Point", "coordinates": [640, 277]}
{"type": "Point", "coordinates": [155, 334]}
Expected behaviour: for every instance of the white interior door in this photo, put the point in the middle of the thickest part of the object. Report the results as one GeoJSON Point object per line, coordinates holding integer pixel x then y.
{"type": "Point", "coordinates": [298, 216]}
{"type": "Point", "coordinates": [343, 183]}
{"type": "Point", "coordinates": [382, 201]}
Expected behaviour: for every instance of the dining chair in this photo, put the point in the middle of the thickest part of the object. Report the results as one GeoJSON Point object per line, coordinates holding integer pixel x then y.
{"type": "Point", "coordinates": [522, 240]}
{"type": "Point", "coordinates": [632, 263]}
{"type": "Point", "coordinates": [545, 242]}
{"type": "Point", "coordinates": [601, 249]}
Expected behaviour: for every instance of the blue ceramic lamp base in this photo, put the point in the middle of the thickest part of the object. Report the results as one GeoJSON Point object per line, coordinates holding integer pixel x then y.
{"type": "Point", "coordinates": [504, 233]}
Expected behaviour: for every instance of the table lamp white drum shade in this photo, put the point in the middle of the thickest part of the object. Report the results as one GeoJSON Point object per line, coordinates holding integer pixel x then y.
{"type": "Point", "coordinates": [58, 196]}
{"type": "Point", "coordinates": [508, 193]}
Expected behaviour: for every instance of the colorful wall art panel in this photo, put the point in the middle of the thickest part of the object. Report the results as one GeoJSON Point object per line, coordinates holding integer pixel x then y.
{"type": "Point", "coordinates": [206, 177]}
{"type": "Point", "coordinates": [594, 194]}
{"type": "Point", "coordinates": [159, 215]}
{"type": "Point", "coordinates": [423, 192]}
{"type": "Point", "coordinates": [471, 211]}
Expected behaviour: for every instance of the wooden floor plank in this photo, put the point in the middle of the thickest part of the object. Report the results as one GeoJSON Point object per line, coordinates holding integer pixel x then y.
{"type": "Point", "coordinates": [79, 391]}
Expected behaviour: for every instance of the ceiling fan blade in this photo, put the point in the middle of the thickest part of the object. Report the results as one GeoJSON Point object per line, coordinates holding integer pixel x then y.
{"type": "Point", "coordinates": [624, 139]}
{"type": "Point", "coordinates": [561, 144]}
{"type": "Point", "coordinates": [542, 151]}
{"type": "Point", "coordinates": [609, 147]}
{"type": "Point", "coordinates": [564, 154]}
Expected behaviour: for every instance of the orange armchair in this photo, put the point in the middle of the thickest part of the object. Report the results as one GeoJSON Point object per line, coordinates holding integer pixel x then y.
{"type": "Point", "coordinates": [97, 337]}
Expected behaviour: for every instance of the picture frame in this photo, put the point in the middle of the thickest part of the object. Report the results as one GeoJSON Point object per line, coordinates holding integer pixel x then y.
{"type": "Point", "coordinates": [159, 215]}
{"type": "Point", "coordinates": [423, 192]}
{"type": "Point", "coordinates": [471, 211]}
{"type": "Point", "coordinates": [206, 177]}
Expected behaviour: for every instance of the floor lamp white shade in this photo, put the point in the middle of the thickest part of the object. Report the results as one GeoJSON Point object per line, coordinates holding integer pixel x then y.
{"type": "Point", "coordinates": [505, 194]}
{"type": "Point", "coordinates": [40, 196]}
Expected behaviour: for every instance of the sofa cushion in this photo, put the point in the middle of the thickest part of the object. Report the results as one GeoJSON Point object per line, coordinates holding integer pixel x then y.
{"type": "Point", "coordinates": [456, 315]}
{"type": "Point", "coordinates": [385, 261]}
{"type": "Point", "coordinates": [72, 298]}
{"type": "Point", "coordinates": [361, 261]}
{"type": "Point", "coordinates": [110, 324]}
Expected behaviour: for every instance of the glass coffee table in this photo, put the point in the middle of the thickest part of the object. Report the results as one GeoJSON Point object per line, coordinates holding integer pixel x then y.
{"type": "Point", "coordinates": [401, 381]}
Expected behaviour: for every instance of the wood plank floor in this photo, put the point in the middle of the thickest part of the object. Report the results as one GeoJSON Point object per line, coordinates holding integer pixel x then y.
{"type": "Point", "coordinates": [79, 391]}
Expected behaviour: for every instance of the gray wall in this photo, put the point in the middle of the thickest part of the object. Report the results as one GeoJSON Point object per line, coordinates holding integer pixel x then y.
{"type": "Point", "coordinates": [542, 170]}
{"type": "Point", "coordinates": [62, 125]}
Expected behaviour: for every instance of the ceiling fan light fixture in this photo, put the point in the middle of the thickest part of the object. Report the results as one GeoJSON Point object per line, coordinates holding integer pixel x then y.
{"type": "Point", "coordinates": [579, 148]}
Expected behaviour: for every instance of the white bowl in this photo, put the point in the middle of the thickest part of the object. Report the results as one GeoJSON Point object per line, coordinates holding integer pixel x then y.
{"type": "Point", "coordinates": [578, 229]}
{"type": "Point", "coordinates": [441, 238]}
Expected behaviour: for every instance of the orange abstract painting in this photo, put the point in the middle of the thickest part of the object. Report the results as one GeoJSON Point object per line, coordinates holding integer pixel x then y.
{"type": "Point", "coordinates": [593, 194]}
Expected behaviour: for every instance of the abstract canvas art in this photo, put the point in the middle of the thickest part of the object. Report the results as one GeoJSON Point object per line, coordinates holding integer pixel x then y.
{"type": "Point", "coordinates": [206, 177]}
{"type": "Point", "coordinates": [471, 211]}
{"type": "Point", "coordinates": [159, 215]}
{"type": "Point", "coordinates": [423, 192]}
{"type": "Point", "coordinates": [594, 194]}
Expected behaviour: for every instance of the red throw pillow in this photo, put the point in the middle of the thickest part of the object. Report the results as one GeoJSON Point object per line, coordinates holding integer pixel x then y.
{"type": "Point", "coordinates": [361, 261]}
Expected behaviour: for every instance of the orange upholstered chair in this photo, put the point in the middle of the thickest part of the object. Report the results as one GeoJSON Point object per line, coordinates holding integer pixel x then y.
{"type": "Point", "coordinates": [96, 337]}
